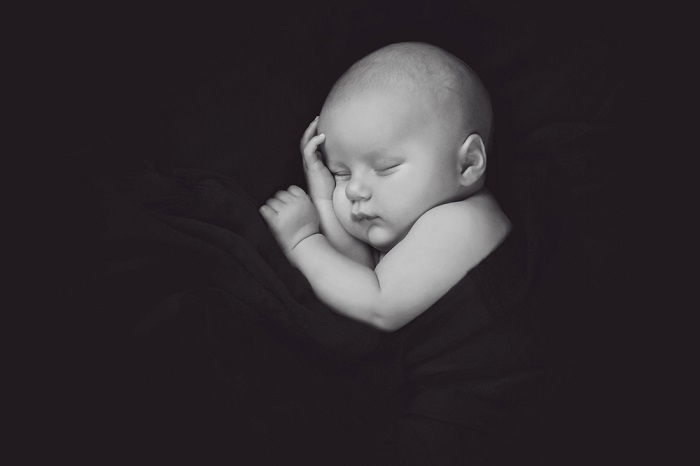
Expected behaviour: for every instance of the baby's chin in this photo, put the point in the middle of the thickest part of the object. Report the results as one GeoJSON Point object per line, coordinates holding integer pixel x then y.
{"type": "Point", "coordinates": [382, 239]}
{"type": "Point", "coordinates": [373, 235]}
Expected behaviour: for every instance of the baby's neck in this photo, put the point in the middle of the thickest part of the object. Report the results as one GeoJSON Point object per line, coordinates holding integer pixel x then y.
{"type": "Point", "coordinates": [377, 255]}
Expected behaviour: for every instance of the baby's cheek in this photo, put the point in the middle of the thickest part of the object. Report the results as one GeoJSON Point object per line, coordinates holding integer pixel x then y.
{"type": "Point", "coordinates": [342, 208]}
{"type": "Point", "coordinates": [340, 201]}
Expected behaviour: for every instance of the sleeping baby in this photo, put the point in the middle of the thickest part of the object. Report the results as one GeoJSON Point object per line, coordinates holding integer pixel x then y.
{"type": "Point", "coordinates": [397, 212]}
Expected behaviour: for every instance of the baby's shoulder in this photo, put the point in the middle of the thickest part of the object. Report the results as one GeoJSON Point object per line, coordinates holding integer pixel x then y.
{"type": "Point", "coordinates": [451, 215]}
{"type": "Point", "coordinates": [470, 228]}
{"type": "Point", "coordinates": [478, 212]}
{"type": "Point", "coordinates": [443, 231]}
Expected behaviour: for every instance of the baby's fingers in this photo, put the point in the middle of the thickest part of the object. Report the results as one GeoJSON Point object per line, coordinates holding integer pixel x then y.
{"type": "Point", "coordinates": [267, 213]}
{"type": "Point", "coordinates": [284, 196]}
{"type": "Point", "coordinates": [275, 205]}
{"type": "Point", "coordinates": [297, 191]}
{"type": "Point", "coordinates": [311, 156]}
{"type": "Point", "coordinates": [308, 134]}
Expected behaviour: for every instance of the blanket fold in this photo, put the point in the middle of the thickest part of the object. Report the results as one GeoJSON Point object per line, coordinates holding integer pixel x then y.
{"type": "Point", "coordinates": [203, 225]}
{"type": "Point", "coordinates": [210, 334]}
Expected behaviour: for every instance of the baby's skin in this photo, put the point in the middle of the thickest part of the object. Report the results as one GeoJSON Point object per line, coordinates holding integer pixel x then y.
{"type": "Point", "coordinates": [397, 214]}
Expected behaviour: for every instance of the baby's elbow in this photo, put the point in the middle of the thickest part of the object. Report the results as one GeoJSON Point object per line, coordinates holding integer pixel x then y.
{"type": "Point", "coordinates": [385, 325]}
{"type": "Point", "coordinates": [386, 322]}
{"type": "Point", "coordinates": [390, 315]}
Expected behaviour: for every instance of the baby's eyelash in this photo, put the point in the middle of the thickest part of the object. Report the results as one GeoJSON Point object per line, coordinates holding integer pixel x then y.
{"type": "Point", "coordinates": [383, 169]}
{"type": "Point", "coordinates": [388, 168]}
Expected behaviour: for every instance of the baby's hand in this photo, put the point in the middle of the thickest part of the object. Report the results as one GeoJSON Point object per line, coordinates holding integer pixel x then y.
{"type": "Point", "coordinates": [291, 216]}
{"type": "Point", "coordinates": [318, 177]}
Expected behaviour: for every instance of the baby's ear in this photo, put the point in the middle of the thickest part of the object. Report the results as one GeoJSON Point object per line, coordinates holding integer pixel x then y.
{"type": "Point", "coordinates": [472, 160]}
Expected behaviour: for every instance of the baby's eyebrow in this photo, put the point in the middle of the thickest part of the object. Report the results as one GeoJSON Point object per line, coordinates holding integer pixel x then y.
{"type": "Point", "coordinates": [372, 157]}
{"type": "Point", "coordinates": [386, 159]}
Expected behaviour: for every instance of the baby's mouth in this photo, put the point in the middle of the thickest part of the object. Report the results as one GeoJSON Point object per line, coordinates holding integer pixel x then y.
{"type": "Point", "coordinates": [358, 217]}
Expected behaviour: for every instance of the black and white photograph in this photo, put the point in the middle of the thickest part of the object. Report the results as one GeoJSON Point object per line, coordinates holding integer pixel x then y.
{"type": "Point", "coordinates": [333, 233]}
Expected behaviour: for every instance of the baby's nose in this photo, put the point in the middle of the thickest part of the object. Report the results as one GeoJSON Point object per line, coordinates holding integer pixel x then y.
{"type": "Point", "coordinates": [355, 190]}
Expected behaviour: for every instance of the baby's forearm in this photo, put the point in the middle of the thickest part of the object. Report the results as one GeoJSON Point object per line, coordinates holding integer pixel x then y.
{"type": "Point", "coordinates": [344, 285]}
{"type": "Point", "coordinates": [341, 239]}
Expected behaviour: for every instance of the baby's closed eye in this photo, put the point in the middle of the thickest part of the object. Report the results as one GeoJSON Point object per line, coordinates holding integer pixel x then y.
{"type": "Point", "coordinates": [380, 169]}
{"type": "Point", "coordinates": [388, 169]}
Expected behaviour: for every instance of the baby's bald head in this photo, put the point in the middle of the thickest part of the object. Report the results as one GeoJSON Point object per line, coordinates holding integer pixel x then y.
{"type": "Point", "coordinates": [457, 92]}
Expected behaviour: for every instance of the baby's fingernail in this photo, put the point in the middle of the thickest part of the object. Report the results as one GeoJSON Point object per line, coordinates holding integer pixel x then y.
{"type": "Point", "coordinates": [316, 117]}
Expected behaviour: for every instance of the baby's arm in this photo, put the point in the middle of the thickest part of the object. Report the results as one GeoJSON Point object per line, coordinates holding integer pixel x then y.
{"type": "Point", "coordinates": [321, 185]}
{"type": "Point", "coordinates": [419, 270]}
{"type": "Point", "coordinates": [339, 238]}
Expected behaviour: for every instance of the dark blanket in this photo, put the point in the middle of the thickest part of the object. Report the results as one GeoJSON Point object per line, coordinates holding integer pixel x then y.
{"type": "Point", "coordinates": [217, 343]}
{"type": "Point", "coordinates": [177, 285]}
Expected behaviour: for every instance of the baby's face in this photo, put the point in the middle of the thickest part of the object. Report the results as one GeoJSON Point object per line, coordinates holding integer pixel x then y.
{"type": "Point", "coordinates": [393, 158]}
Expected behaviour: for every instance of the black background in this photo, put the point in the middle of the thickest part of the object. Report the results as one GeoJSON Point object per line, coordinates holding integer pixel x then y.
{"type": "Point", "coordinates": [231, 90]}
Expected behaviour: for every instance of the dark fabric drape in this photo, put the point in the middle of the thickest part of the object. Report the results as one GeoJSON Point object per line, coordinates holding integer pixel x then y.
{"type": "Point", "coordinates": [164, 279]}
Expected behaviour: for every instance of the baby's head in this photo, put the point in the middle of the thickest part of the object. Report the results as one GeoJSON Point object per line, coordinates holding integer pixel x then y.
{"type": "Point", "coordinates": [406, 130]}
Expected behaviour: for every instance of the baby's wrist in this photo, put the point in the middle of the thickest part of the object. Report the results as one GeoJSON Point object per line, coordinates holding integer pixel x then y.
{"type": "Point", "coordinates": [297, 251]}
{"type": "Point", "coordinates": [317, 200]}
{"type": "Point", "coordinates": [297, 243]}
